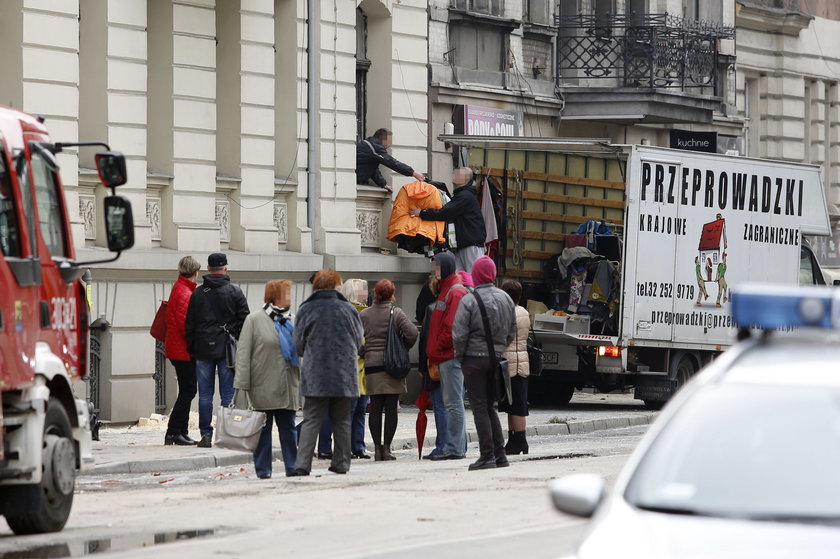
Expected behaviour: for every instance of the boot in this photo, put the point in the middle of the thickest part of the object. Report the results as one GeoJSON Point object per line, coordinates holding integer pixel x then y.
{"type": "Point", "coordinates": [386, 453]}
{"type": "Point", "coordinates": [377, 453]}
{"type": "Point", "coordinates": [518, 444]}
{"type": "Point", "coordinates": [509, 445]}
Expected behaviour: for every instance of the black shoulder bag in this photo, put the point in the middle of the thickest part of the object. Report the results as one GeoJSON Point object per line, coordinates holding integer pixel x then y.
{"type": "Point", "coordinates": [230, 341]}
{"type": "Point", "coordinates": [536, 356]}
{"type": "Point", "coordinates": [395, 360]}
{"type": "Point", "coordinates": [501, 373]}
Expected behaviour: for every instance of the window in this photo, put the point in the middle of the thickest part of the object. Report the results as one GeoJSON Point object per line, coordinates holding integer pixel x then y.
{"type": "Point", "coordinates": [362, 68]}
{"type": "Point", "coordinates": [705, 10]}
{"type": "Point", "coordinates": [538, 11]}
{"type": "Point", "coordinates": [478, 48]}
{"type": "Point", "coordinates": [488, 7]}
{"type": "Point", "coordinates": [9, 225]}
{"type": "Point", "coordinates": [50, 211]}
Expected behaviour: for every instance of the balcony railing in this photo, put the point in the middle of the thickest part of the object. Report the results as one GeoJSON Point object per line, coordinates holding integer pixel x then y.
{"type": "Point", "coordinates": [640, 50]}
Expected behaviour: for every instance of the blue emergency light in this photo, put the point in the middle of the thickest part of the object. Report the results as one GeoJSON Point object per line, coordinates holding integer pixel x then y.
{"type": "Point", "coordinates": [775, 307]}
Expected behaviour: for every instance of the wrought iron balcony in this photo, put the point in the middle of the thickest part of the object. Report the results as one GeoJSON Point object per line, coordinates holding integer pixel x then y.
{"type": "Point", "coordinates": [640, 51]}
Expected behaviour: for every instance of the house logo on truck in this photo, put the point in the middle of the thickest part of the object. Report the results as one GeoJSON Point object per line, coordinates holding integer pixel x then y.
{"type": "Point", "coordinates": [710, 264]}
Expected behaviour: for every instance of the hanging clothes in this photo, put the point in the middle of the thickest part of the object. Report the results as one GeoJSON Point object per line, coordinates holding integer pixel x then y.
{"type": "Point", "coordinates": [412, 233]}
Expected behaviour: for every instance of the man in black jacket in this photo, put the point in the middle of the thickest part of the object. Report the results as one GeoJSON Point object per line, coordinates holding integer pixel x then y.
{"type": "Point", "coordinates": [463, 214]}
{"type": "Point", "coordinates": [216, 308]}
{"type": "Point", "coordinates": [373, 152]}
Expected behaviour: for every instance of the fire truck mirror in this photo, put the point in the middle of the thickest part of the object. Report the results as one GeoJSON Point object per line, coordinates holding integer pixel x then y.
{"type": "Point", "coordinates": [119, 223]}
{"type": "Point", "coordinates": [111, 167]}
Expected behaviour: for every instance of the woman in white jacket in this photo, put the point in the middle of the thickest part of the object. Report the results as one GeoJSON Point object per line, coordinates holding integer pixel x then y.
{"type": "Point", "coordinates": [517, 356]}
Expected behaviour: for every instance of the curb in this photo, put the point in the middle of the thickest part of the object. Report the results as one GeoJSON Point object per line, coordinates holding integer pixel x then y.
{"type": "Point", "coordinates": [212, 461]}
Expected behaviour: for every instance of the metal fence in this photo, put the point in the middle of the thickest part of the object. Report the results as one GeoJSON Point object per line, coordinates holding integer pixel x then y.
{"type": "Point", "coordinates": [640, 50]}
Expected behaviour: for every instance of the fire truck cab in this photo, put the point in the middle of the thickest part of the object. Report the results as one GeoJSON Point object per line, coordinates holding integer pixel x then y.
{"type": "Point", "coordinates": [44, 428]}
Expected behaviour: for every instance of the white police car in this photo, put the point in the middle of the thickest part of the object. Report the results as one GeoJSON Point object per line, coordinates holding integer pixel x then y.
{"type": "Point", "coordinates": [745, 459]}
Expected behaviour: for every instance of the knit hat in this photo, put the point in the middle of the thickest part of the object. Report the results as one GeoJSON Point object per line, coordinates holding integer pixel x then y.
{"type": "Point", "coordinates": [446, 261]}
{"type": "Point", "coordinates": [484, 270]}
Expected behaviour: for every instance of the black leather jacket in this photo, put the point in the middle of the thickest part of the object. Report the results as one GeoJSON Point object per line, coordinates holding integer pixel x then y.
{"type": "Point", "coordinates": [368, 161]}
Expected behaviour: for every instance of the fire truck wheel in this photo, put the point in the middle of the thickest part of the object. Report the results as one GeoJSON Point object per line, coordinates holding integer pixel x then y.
{"type": "Point", "coordinates": [58, 477]}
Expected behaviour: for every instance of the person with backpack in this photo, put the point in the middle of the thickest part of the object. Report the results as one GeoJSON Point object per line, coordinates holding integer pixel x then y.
{"type": "Point", "coordinates": [383, 389]}
{"type": "Point", "coordinates": [440, 352]}
{"type": "Point", "coordinates": [216, 311]}
{"type": "Point", "coordinates": [484, 327]}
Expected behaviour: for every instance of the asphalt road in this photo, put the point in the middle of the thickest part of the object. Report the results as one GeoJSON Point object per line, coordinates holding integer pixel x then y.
{"type": "Point", "coordinates": [407, 508]}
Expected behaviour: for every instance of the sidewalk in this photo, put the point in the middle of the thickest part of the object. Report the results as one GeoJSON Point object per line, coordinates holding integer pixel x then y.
{"type": "Point", "coordinates": [136, 449]}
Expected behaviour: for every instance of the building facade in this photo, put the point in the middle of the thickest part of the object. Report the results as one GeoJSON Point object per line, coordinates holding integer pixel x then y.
{"type": "Point", "coordinates": [787, 92]}
{"type": "Point", "coordinates": [238, 121]}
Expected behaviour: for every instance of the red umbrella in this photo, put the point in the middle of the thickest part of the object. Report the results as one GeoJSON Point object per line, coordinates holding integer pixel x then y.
{"type": "Point", "coordinates": [422, 404]}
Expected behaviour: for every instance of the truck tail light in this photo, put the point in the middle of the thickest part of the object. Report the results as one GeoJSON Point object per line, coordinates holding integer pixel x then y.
{"type": "Point", "coordinates": [609, 351]}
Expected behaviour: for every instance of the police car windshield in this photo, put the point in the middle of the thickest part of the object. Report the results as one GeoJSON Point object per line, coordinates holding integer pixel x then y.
{"type": "Point", "coordinates": [747, 451]}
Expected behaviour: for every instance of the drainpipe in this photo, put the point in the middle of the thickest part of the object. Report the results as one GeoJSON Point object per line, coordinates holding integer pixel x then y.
{"type": "Point", "coordinates": [312, 83]}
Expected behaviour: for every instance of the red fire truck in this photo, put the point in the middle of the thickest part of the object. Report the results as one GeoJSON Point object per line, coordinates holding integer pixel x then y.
{"type": "Point", "coordinates": [44, 428]}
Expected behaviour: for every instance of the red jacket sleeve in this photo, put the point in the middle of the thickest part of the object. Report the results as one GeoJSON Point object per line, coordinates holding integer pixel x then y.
{"type": "Point", "coordinates": [444, 339]}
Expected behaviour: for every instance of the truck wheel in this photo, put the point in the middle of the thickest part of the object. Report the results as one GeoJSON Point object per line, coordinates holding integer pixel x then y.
{"type": "Point", "coordinates": [683, 369]}
{"type": "Point", "coordinates": [58, 477]}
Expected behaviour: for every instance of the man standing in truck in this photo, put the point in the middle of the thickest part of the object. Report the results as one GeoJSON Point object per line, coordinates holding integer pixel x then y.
{"type": "Point", "coordinates": [216, 308]}
{"type": "Point", "coordinates": [464, 218]}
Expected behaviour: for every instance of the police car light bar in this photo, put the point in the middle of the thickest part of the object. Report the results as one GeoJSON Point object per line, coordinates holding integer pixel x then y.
{"type": "Point", "coordinates": [775, 307]}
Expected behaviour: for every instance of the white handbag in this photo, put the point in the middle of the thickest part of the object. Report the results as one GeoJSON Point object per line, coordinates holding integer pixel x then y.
{"type": "Point", "coordinates": [239, 429]}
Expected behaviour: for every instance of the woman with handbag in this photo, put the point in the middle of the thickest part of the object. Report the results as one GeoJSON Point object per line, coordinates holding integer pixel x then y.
{"type": "Point", "coordinates": [267, 367]}
{"type": "Point", "coordinates": [176, 351]}
{"type": "Point", "coordinates": [383, 385]}
{"type": "Point", "coordinates": [519, 368]}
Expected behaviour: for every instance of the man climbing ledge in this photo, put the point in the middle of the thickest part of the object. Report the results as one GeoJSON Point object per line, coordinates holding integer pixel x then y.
{"type": "Point", "coordinates": [373, 152]}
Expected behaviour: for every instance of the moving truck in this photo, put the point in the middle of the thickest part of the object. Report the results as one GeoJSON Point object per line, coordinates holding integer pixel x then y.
{"type": "Point", "coordinates": [44, 427]}
{"type": "Point", "coordinates": [646, 304]}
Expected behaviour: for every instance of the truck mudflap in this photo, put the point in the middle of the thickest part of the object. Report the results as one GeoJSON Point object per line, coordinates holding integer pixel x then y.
{"type": "Point", "coordinates": [654, 387]}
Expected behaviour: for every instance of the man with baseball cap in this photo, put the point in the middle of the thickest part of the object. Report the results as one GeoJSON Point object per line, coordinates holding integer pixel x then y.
{"type": "Point", "coordinates": [217, 307]}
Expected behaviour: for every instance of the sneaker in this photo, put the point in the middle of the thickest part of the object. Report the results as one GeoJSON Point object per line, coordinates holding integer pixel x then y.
{"type": "Point", "coordinates": [441, 456]}
{"type": "Point", "coordinates": [206, 441]}
{"type": "Point", "coordinates": [336, 470]}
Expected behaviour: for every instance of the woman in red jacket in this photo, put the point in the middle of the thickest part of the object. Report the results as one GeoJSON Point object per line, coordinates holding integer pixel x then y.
{"type": "Point", "coordinates": [176, 351]}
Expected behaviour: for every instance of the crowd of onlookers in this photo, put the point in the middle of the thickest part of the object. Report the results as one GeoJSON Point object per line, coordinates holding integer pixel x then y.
{"type": "Point", "coordinates": [329, 360]}
{"type": "Point", "coordinates": [332, 358]}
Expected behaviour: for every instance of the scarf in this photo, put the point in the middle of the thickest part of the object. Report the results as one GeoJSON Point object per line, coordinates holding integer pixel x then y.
{"type": "Point", "coordinates": [285, 329]}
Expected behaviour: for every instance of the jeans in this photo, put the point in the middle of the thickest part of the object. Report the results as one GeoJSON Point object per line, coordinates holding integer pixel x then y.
{"type": "Point", "coordinates": [205, 374]}
{"type": "Point", "coordinates": [285, 420]}
{"type": "Point", "coordinates": [314, 411]}
{"type": "Point", "coordinates": [441, 416]}
{"type": "Point", "coordinates": [452, 388]}
{"type": "Point", "coordinates": [478, 377]}
{"type": "Point", "coordinates": [357, 423]}
{"type": "Point", "coordinates": [179, 419]}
